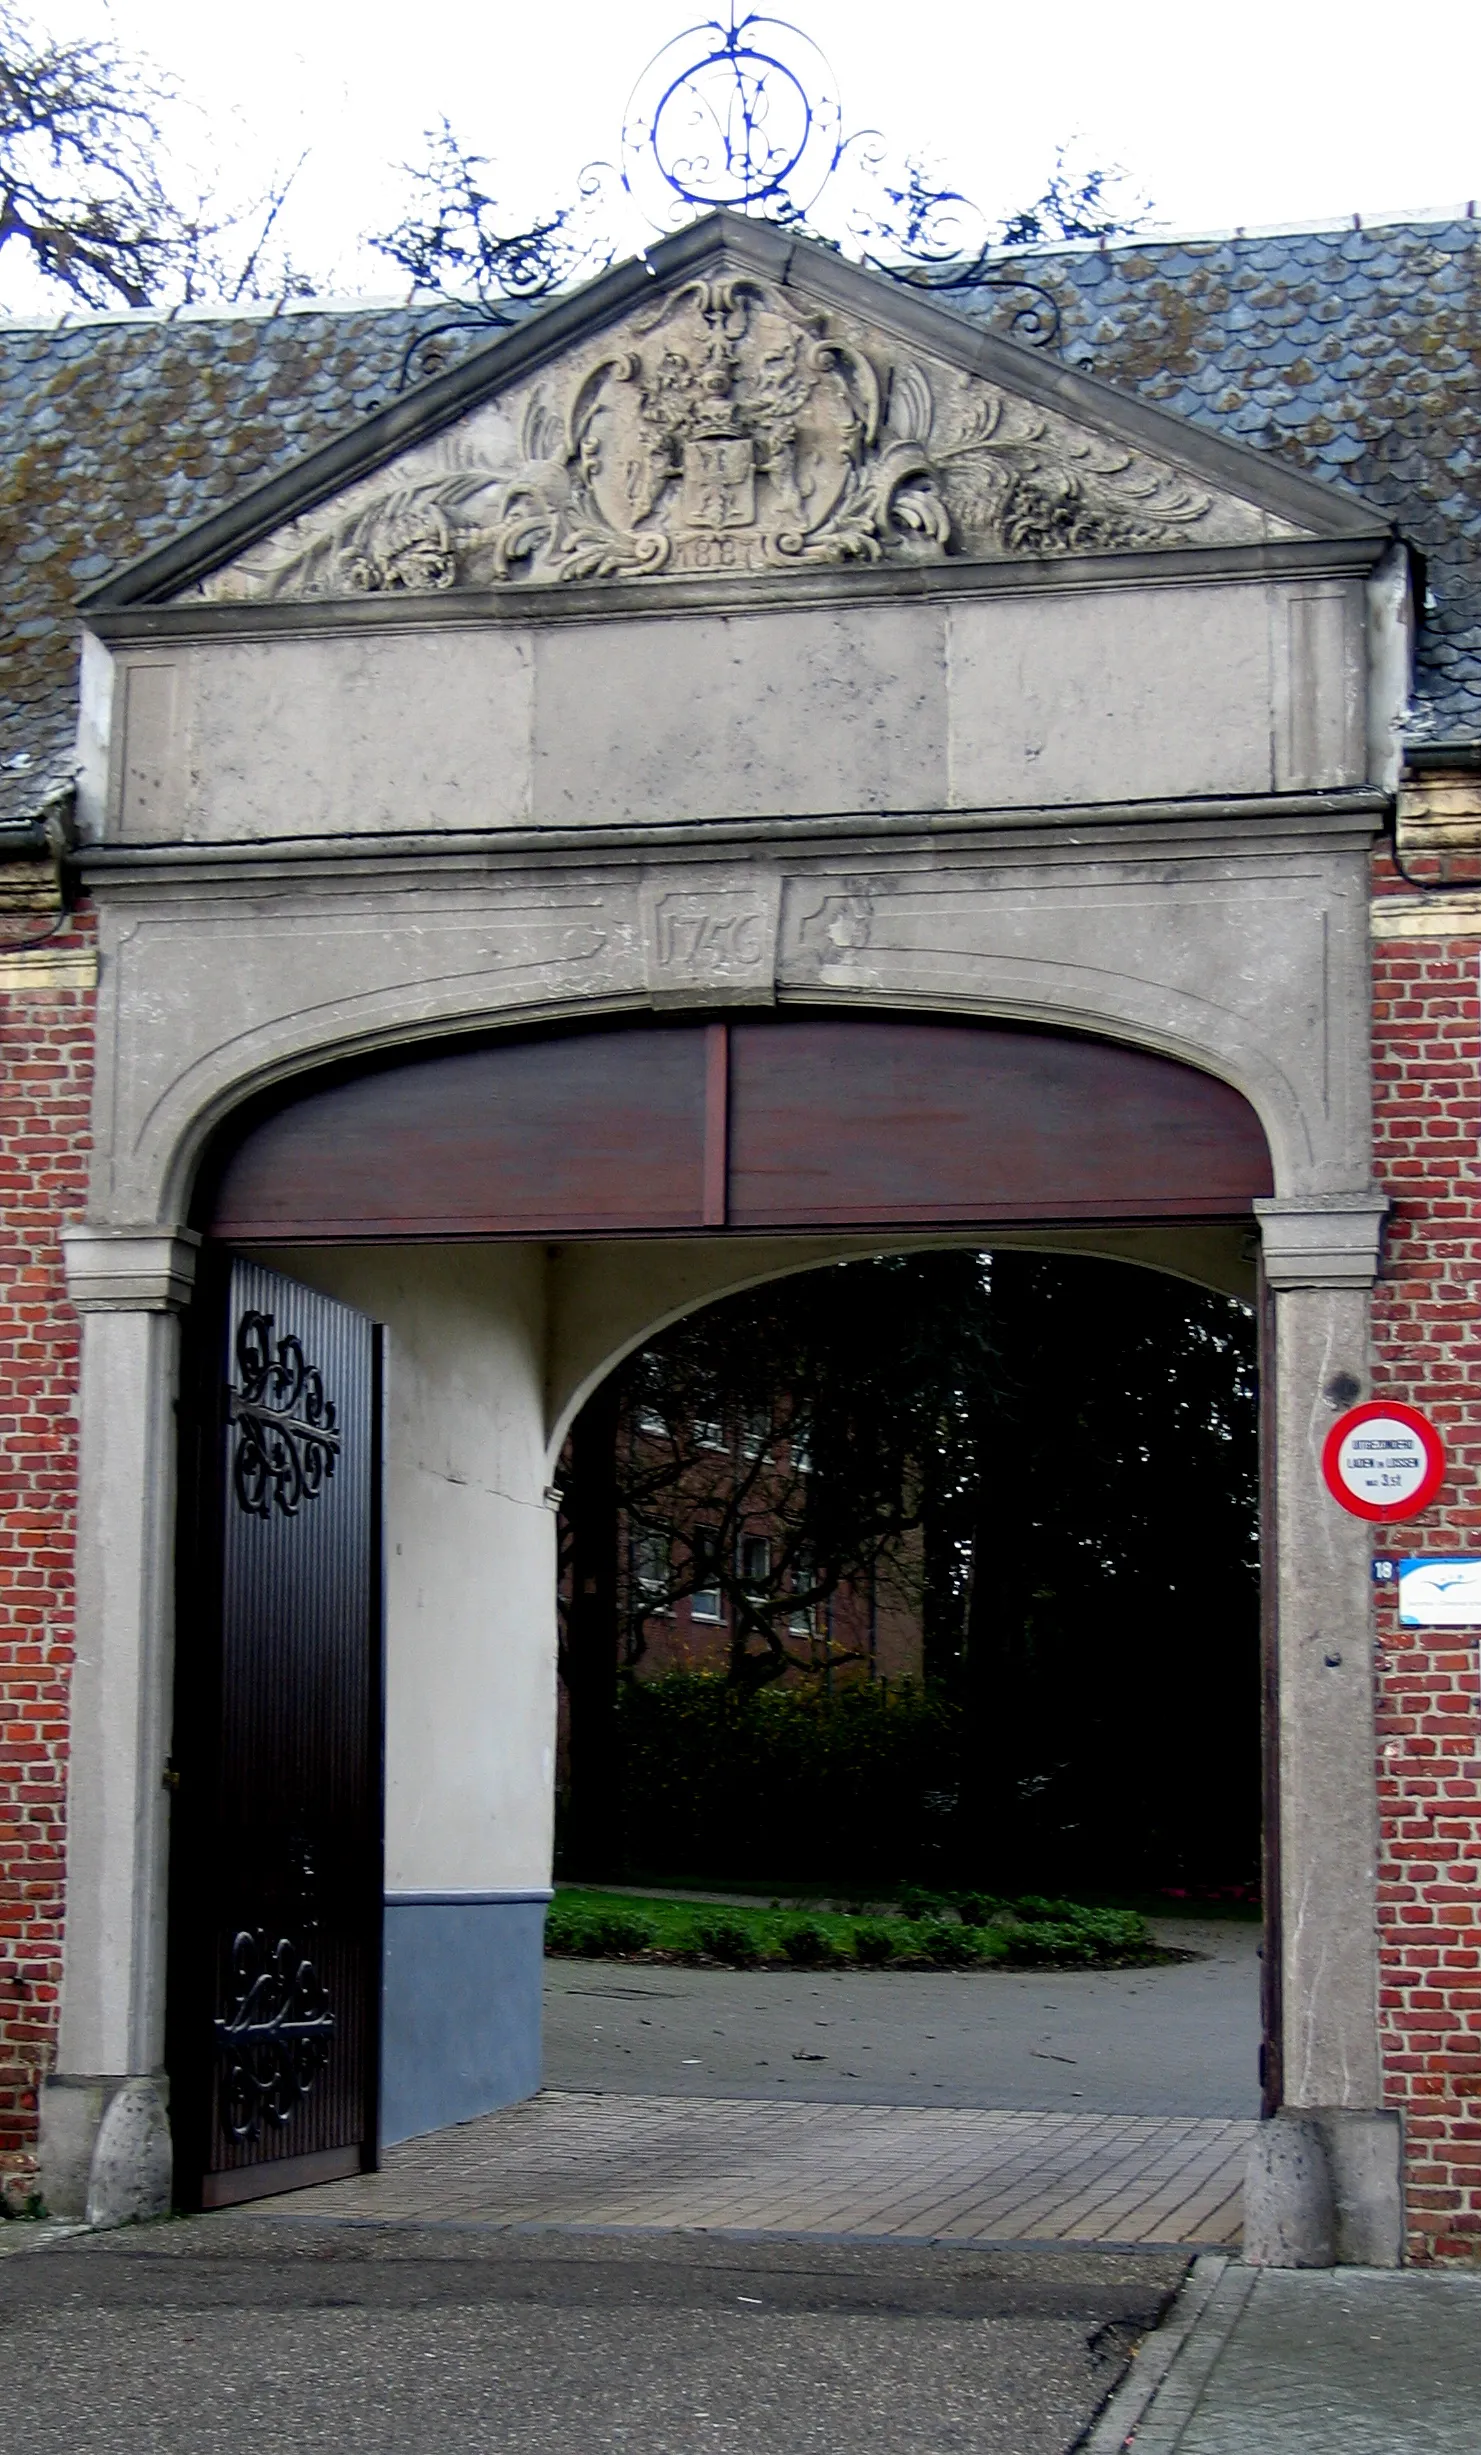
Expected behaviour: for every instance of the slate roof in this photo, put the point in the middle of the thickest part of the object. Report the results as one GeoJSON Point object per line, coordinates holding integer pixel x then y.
{"type": "Point", "coordinates": [117, 434]}
{"type": "Point", "coordinates": [1354, 354]}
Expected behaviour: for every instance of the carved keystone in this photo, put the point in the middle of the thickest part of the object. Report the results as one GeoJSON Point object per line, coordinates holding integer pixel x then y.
{"type": "Point", "coordinates": [713, 943]}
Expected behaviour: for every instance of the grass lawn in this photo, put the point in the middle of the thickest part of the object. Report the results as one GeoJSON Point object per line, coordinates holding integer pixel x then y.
{"type": "Point", "coordinates": [968, 1932]}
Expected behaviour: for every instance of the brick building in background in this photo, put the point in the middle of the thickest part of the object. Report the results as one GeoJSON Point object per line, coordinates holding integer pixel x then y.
{"type": "Point", "coordinates": [1350, 353]}
{"type": "Point", "coordinates": [728, 1534]}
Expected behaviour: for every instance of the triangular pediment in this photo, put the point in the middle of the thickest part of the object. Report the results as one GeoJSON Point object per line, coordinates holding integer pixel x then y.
{"type": "Point", "coordinates": [742, 405]}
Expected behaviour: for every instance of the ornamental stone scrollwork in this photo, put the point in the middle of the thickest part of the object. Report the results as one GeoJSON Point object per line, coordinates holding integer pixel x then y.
{"type": "Point", "coordinates": [729, 427]}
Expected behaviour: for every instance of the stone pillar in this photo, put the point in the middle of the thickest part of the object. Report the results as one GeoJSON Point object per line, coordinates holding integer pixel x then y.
{"type": "Point", "coordinates": [1323, 2185]}
{"type": "Point", "coordinates": [105, 2147]}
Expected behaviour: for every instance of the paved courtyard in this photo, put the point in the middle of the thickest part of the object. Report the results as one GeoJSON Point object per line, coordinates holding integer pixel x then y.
{"type": "Point", "coordinates": [1180, 2039]}
{"type": "Point", "coordinates": [899, 2173]}
{"type": "Point", "coordinates": [1082, 2106]}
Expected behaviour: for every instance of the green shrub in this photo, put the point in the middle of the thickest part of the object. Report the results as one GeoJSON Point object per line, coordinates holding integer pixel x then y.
{"type": "Point", "coordinates": [916, 1902]}
{"type": "Point", "coordinates": [976, 1908]}
{"type": "Point", "coordinates": [952, 1947]}
{"type": "Point", "coordinates": [943, 1943]}
{"type": "Point", "coordinates": [795, 1779]}
{"type": "Point", "coordinates": [613, 1932]}
{"type": "Point", "coordinates": [727, 1939]}
{"type": "Point", "coordinates": [565, 1931]}
{"type": "Point", "coordinates": [874, 1943]}
{"type": "Point", "coordinates": [1043, 1939]}
{"type": "Point", "coordinates": [807, 1945]}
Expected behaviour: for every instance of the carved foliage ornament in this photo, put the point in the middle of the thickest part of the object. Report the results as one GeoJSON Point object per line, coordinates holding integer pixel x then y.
{"type": "Point", "coordinates": [728, 428]}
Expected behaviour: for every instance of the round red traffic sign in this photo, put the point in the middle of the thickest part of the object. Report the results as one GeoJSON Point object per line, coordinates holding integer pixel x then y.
{"type": "Point", "coordinates": [1383, 1461]}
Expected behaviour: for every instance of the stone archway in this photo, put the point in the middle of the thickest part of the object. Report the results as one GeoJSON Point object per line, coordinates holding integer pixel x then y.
{"type": "Point", "coordinates": [1117, 779]}
{"type": "Point", "coordinates": [521, 1209]}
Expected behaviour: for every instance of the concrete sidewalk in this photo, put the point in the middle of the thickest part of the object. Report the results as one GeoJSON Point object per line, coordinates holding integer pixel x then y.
{"type": "Point", "coordinates": [1344, 2361]}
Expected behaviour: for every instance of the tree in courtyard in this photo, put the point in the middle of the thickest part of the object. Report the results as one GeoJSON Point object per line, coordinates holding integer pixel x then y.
{"type": "Point", "coordinates": [769, 1449]}
{"type": "Point", "coordinates": [1073, 1445]}
{"type": "Point", "coordinates": [792, 1412]}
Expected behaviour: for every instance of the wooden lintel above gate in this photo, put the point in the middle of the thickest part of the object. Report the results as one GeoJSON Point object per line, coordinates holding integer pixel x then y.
{"type": "Point", "coordinates": [776, 1122]}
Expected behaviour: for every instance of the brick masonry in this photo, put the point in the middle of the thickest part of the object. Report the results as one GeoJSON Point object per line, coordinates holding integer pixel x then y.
{"type": "Point", "coordinates": [46, 1056]}
{"type": "Point", "coordinates": [1427, 1081]}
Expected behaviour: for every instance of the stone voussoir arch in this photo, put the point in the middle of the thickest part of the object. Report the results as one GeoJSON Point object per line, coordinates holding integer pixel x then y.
{"type": "Point", "coordinates": [287, 1054]}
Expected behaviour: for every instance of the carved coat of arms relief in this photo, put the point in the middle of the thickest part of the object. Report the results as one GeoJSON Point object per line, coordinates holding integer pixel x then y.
{"type": "Point", "coordinates": [728, 427]}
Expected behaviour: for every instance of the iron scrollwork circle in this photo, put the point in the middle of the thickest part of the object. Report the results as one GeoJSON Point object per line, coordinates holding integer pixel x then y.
{"type": "Point", "coordinates": [274, 2040]}
{"type": "Point", "coordinates": [742, 116]}
{"type": "Point", "coordinates": [287, 1430]}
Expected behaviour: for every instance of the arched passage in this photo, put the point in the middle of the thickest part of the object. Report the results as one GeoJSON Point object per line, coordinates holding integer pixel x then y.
{"type": "Point", "coordinates": [1095, 1631]}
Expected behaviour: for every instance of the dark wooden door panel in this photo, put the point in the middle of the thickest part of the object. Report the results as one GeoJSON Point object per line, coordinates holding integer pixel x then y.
{"type": "Point", "coordinates": [593, 1131]}
{"type": "Point", "coordinates": [278, 1876]}
{"type": "Point", "coordinates": [846, 1122]}
{"type": "Point", "coordinates": [786, 1121]}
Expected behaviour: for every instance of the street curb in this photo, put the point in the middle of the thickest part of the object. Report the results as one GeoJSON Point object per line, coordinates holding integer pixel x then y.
{"type": "Point", "coordinates": [1178, 2356]}
{"type": "Point", "coordinates": [39, 2233]}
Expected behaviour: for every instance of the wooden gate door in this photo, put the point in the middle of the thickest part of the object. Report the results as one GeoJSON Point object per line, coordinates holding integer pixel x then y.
{"type": "Point", "coordinates": [276, 1845]}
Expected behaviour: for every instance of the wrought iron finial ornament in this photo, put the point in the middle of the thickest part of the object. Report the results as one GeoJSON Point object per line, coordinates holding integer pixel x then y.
{"type": "Point", "coordinates": [745, 116]}
{"type": "Point", "coordinates": [742, 116]}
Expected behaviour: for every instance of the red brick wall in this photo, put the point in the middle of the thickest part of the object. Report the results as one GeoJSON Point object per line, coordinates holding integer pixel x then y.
{"type": "Point", "coordinates": [1427, 1323]}
{"type": "Point", "coordinates": [46, 1048]}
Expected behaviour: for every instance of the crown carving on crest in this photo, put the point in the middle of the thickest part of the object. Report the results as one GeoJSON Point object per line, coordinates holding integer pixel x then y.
{"type": "Point", "coordinates": [728, 427]}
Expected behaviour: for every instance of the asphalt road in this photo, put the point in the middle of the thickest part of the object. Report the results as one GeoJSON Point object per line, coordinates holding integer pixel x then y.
{"type": "Point", "coordinates": [206, 2337]}
{"type": "Point", "coordinates": [1182, 2039]}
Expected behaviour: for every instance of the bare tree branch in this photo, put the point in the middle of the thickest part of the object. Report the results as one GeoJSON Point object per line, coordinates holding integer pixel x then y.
{"type": "Point", "coordinates": [450, 241]}
{"type": "Point", "coordinates": [84, 197]}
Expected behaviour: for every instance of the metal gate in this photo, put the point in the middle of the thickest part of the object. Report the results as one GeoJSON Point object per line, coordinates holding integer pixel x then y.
{"type": "Point", "coordinates": [276, 1841]}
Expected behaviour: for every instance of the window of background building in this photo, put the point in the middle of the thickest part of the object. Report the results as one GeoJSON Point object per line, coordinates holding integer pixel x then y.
{"type": "Point", "coordinates": [755, 1564]}
{"type": "Point", "coordinates": [707, 1602]}
{"type": "Point", "coordinates": [652, 1555]}
{"type": "Point", "coordinates": [804, 1620]}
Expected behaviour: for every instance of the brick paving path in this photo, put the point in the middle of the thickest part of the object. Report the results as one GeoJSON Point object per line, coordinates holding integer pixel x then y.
{"type": "Point", "coordinates": [908, 2173]}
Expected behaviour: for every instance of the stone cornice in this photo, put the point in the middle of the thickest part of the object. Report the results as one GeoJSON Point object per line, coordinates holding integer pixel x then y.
{"type": "Point", "coordinates": [526, 603]}
{"type": "Point", "coordinates": [1321, 1240]}
{"type": "Point", "coordinates": [1338, 821]}
{"type": "Point", "coordinates": [129, 1270]}
{"type": "Point", "coordinates": [1438, 913]}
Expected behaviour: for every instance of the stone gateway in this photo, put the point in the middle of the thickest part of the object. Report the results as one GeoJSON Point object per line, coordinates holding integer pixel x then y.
{"type": "Point", "coordinates": [498, 843]}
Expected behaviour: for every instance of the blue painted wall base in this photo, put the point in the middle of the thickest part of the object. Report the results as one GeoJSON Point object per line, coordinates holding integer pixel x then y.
{"type": "Point", "coordinates": [460, 2019]}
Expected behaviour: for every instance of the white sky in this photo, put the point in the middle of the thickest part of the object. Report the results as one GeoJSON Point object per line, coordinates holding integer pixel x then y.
{"type": "Point", "coordinates": [1274, 111]}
